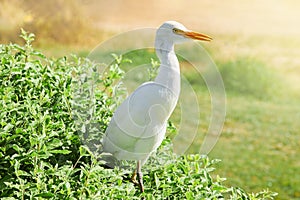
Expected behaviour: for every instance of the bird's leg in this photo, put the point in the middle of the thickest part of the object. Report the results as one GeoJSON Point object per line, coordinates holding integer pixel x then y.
{"type": "Point", "coordinates": [133, 177]}
{"type": "Point", "coordinates": [140, 175]}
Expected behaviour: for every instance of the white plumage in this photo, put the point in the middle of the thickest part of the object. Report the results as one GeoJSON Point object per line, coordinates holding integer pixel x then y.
{"type": "Point", "coordinates": [138, 126]}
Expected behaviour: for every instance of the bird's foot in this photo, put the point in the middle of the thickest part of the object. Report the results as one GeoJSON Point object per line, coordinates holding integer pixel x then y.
{"type": "Point", "coordinates": [133, 178]}
{"type": "Point", "coordinates": [138, 182]}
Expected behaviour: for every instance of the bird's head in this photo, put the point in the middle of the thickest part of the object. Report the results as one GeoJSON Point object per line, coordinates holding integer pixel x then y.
{"type": "Point", "coordinates": [175, 32]}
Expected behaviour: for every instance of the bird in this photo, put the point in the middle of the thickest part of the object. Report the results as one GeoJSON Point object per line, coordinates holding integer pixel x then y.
{"type": "Point", "coordinates": [138, 125]}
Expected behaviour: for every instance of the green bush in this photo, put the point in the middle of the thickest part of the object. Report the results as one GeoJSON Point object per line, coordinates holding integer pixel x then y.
{"type": "Point", "coordinates": [42, 155]}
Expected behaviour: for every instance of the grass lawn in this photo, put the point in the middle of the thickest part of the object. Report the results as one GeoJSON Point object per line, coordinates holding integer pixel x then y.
{"type": "Point", "coordinates": [259, 146]}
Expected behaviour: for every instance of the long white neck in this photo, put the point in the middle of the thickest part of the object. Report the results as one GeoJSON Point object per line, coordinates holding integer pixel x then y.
{"type": "Point", "coordinates": [169, 71]}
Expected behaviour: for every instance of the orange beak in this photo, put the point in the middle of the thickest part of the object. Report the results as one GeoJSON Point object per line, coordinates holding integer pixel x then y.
{"type": "Point", "coordinates": [196, 36]}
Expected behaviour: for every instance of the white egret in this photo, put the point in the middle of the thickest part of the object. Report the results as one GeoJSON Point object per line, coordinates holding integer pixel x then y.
{"type": "Point", "coordinates": [138, 125]}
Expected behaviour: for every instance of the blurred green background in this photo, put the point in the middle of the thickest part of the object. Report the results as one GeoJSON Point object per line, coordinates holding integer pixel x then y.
{"type": "Point", "coordinates": [256, 47]}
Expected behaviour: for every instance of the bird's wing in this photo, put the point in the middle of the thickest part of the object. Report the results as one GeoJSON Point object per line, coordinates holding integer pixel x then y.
{"type": "Point", "coordinates": [149, 104]}
{"type": "Point", "coordinates": [139, 123]}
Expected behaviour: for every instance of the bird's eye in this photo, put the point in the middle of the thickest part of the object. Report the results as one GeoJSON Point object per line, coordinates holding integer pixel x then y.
{"type": "Point", "coordinates": [176, 30]}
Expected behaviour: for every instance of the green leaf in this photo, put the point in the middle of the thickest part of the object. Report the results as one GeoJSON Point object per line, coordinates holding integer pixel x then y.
{"type": "Point", "coordinates": [19, 130]}
{"type": "Point", "coordinates": [8, 127]}
{"type": "Point", "coordinates": [84, 151]}
{"type": "Point", "coordinates": [22, 173]}
{"type": "Point", "coordinates": [60, 151]}
{"type": "Point", "coordinates": [157, 182]}
{"type": "Point", "coordinates": [46, 195]}
{"type": "Point", "coordinates": [39, 54]}
{"type": "Point", "coordinates": [17, 148]}
{"type": "Point", "coordinates": [54, 143]}
{"type": "Point", "coordinates": [189, 195]}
